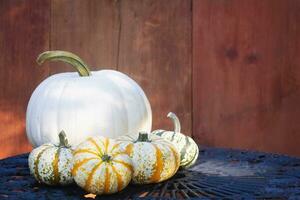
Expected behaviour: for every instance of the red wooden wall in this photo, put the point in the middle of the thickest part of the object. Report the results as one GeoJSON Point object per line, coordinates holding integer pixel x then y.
{"type": "Point", "coordinates": [229, 69]}
{"type": "Point", "coordinates": [246, 74]}
{"type": "Point", "coordinates": [24, 33]}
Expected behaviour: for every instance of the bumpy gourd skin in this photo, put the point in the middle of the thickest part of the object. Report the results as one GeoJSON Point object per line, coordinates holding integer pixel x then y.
{"type": "Point", "coordinates": [187, 147]}
{"type": "Point", "coordinates": [51, 165]}
{"type": "Point", "coordinates": [154, 160]}
{"type": "Point", "coordinates": [101, 167]}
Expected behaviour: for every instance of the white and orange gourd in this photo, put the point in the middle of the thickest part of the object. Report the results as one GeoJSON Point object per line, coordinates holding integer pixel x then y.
{"type": "Point", "coordinates": [52, 164]}
{"type": "Point", "coordinates": [101, 167]}
{"type": "Point", "coordinates": [154, 158]}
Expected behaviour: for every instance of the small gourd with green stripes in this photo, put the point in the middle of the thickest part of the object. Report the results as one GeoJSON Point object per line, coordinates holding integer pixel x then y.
{"type": "Point", "coordinates": [52, 164]}
{"type": "Point", "coordinates": [187, 147]}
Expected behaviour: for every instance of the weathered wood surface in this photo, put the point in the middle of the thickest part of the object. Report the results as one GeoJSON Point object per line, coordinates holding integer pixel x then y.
{"type": "Point", "coordinates": [148, 40]}
{"type": "Point", "coordinates": [229, 69]}
{"type": "Point", "coordinates": [246, 74]}
{"type": "Point", "coordinates": [24, 33]}
{"type": "Point", "coordinates": [155, 50]}
{"type": "Point", "coordinates": [90, 29]}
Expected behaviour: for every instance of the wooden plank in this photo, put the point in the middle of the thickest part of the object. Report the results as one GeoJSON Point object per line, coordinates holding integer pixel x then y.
{"type": "Point", "coordinates": [23, 34]}
{"type": "Point", "coordinates": [155, 49]}
{"type": "Point", "coordinates": [246, 74]}
{"type": "Point", "coordinates": [88, 28]}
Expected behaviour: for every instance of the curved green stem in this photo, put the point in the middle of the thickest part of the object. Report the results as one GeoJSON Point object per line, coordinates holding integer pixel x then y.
{"type": "Point", "coordinates": [177, 127]}
{"type": "Point", "coordinates": [63, 141]}
{"type": "Point", "coordinates": [66, 57]}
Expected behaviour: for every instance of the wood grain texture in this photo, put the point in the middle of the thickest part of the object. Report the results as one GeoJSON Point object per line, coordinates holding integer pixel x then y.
{"type": "Point", "coordinates": [24, 34]}
{"type": "Point", "coordinates": [246, 74]}
{"type": "Point", "coordinates": [89, 29]}
{"type": "Point", "coordinates": [228, 68]}
{"type": "Point", "coordinates": [155, 50]}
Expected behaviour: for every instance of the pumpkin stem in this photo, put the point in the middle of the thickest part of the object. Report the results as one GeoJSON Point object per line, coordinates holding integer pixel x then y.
{"type": "Point", "coordinates": [106, 158]}
{"type": "Point", "coordinates": [66, 57]}
{"type": "Point", "coordinates": [177, 127]}
{"type": "Point", "coordinates": [63, 141]}
{"type": "Point", "coordinates": [143, 137]}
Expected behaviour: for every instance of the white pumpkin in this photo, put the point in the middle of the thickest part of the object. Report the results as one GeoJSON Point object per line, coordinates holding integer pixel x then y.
{"type": "Point", "coordinates": [52, 164]}
{"type": "Point", "coordinates": [106, 103]}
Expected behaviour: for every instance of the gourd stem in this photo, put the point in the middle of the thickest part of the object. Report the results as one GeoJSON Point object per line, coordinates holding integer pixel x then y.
{"type": "Point", "coordinates": [106, 158]}
{"type": "Point", "coordinates": [66, 57]}
{"type": "Point", "coordinates": [143, 137]}
{"type": "Point", "coordinates": [63, 141]}
{"type": "Point", "coordinates": [177, 127]}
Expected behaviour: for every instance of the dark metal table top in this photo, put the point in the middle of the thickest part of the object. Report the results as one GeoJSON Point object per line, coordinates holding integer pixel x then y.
{"type": "Point", "coordinates": [218, 174]}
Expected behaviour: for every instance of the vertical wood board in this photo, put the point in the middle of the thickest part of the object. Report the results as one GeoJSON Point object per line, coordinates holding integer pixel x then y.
{"type": "Point", "coordinates": [24, 33]}
{"type": "Point", "coordinates": [246, 74]}
{"type": "Point", "coordinates": [155, 50]}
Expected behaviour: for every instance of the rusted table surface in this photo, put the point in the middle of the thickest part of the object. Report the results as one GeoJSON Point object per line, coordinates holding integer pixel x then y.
{"type": "Point", "coordinates": [219, 173]}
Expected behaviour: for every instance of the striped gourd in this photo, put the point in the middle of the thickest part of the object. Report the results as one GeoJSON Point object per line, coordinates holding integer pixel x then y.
{"type": "Point", "coordinates": [100, 167]}
{"type": "Point", "coordinates": [187, 147]}
{"type": "Point", "coordinates": [52, 164]}
{"type": "Point", "coordinates": [154, 158]}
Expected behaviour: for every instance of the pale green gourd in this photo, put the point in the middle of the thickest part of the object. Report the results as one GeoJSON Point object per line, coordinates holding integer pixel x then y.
{"type": "Point", "coordinates": [187, 147]}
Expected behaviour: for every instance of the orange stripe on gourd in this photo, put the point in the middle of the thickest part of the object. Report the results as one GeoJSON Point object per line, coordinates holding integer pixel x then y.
{"type": "Point", "coordinates": [79, 164]}
{"type": "Point", "coordinates": [114, 147]}
{"type": "Point", "coordinates": [127, 165]}
{"type": "Point", "coordinates": [176, 160]}
{"type": "Point", "coordinates": [119, 153]}
{"type": "Point", "coordinates": [128, 149]}
{"type": "Point", "coordinates": [96, 145]}
{"type": "Point", "coordinates": [119, 178]}
{"type": "Point", "coordinates": [85, 151]}
{"type": "Point", "coordinates": [55, 167]}
{"type": "Point", "coordinates": [106, 144]}
{"type": "Point", "coordinates": [90, 177]}
{"type": "Point", "coordinates": [158, 167]}
{"type": "Point", "coordinates": [176, 155]}
{"type": "Point", "coordinates": [107, 180]}
{"type": "Point", "coordinates": [36, 164]}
